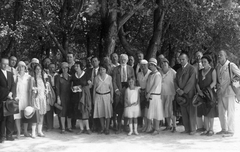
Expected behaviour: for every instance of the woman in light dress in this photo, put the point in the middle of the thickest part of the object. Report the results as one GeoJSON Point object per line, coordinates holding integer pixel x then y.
{"type": "Point", "coordinates": [153, 90]}
{"type": "Point", "coordinates": [132, 105]}
{"type": "Point", "coordinates": [22, 93]}
{"type": "Point", "coordinates": [168, 93]}
{"type": "Point", "coordinates": [103, 98]}
{"type": "Point", "coordinates": [39, 92]}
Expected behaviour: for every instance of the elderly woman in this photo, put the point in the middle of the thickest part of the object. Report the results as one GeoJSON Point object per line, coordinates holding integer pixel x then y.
{"type": "Point", "coordinates": [207, 77]}
{"type": "Point", "coordinates": [63, 90]}
{"type": "Point", "coordinates": [22, 93]}
{"type": "Point", "coordinates": [153, 95]}
{"type": "Point", "coordinates": [80, 107]}
{"type": "Point", "coordinates": [168, 93]}
{"type": "Point", "coordinates": [142, 77]}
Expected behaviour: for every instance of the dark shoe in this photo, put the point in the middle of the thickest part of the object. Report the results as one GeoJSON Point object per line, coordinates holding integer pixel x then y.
{"type": "Point", "coordinates": [151, 131]}
{"type": "Point", "coordinates": [192, 133]}
{"type": "Point", "coordinates": [27, 135]}
{"type": "Point", "coordinates": [185, 132]}
{"type": "Point", "coordinates": [63, 131]}
{"type": "Point", "coordinates": [41, 135]}
{"type": "Point", "coordinates": [107, 132]}
{"type": "Point", "coordinates": [2, 140]}
{"type": "Point", "coordinates": [210, 133]}
{"type": "Point", "coordinates": [80, 132]}
{"type": "Point", "coordinates": [166, 129]}
{"type": "Point", "coordinates": [69, 130]}
{"type": "Point", "coordinates": [101, 131]}
{"type": "Point", "coordinates": [173, 130]}
{"type": "Point", "coordinates": [155, 132]}
{"type": "Point", "coordinates": [221, 132]}
{"type": "Point", "coordinates": [228, 134]}
{"type": "Point", "coordinates": [89, 132]}
{"type": "Point", "coordinates": [201, 130]}
{"type": "Point", "coordinates": [204, 133]}
{"type": "Point", "coordinates": [10, 138]}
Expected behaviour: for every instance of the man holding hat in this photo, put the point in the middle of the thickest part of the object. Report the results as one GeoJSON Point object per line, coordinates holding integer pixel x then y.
{"type": "Point", "coordinates": [6, 89]}
{"type": "Point", "coordinates": [153, 95]}
{"type": "Point", "coordinates": [185, 84]}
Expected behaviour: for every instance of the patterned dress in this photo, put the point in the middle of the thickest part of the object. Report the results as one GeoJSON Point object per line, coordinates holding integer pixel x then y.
{"type": "Point", "coordinates": [103, 106]}
{"type": "Point", "coordinates": [39, 98]}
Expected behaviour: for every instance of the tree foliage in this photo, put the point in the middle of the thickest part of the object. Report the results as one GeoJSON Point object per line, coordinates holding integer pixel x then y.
{"type": "Point", "coordinates": [43, 28]}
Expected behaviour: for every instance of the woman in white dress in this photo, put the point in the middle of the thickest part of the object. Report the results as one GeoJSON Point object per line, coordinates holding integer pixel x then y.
{"type": "Point", "coordinates": [153, 90]}
{"type": "Point", "coordinates": [22, 93]}
{"type": "Point", "coordinates": [39, 91]}
{"type": "Point", "coordinates": [168, 93]}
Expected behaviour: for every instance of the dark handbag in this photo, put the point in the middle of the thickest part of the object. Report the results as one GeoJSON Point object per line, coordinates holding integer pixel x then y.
{"type": "Point", "coordinates": [234, 79]}
{"type": "Point", "coordinates": [57, 108]}
{"type": "Point", "coordinates": [10, 107]}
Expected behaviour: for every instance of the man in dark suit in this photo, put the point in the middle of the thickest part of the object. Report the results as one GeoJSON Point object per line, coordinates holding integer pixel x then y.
{"type": "Point", "coordinates": [120, 76]}
{"type": "Point", "coordinates": [92, 73]}
{"type": "Point", "coordinates": [185, 84]}
{"type": "Point", "coordinates": [6, 89]}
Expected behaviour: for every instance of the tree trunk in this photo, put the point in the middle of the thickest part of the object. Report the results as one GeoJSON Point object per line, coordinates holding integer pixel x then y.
{"type": "Point", "coordinates": [127, 47]}
{"type": "Point", "coordinates": [154, 44]}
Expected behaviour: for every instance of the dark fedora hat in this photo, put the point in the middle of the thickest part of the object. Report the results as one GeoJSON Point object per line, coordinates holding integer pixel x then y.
{"type": "Point", "coordinates": [198, 100]}
{"type": "Point", "coordinates": [11, 105]}
{"type": "Point", "coordinates": [182, 100]}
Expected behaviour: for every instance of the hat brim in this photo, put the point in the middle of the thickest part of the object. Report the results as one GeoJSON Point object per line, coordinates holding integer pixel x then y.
{"type": "Point", "coordinates": [31, 115]}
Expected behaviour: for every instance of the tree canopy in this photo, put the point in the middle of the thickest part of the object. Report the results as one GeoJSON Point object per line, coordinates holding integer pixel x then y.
{"type": "Point", "coordinates": [44, 28]}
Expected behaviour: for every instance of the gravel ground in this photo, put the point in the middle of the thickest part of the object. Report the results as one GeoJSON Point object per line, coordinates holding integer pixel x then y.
{"type": "Point", "coordinates": [165, 141]}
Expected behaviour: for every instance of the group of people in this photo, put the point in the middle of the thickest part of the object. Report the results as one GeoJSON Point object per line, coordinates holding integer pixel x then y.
{"type": "Point", "coordinates": [117, 93]}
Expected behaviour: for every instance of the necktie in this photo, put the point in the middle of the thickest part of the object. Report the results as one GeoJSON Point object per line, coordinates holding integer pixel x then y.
{"type": "Point", "coordinates": [12, 70]}
{"type": "Point", "coordinates": [124, 74]}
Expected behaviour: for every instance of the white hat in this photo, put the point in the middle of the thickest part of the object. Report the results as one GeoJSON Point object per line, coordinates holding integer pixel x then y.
{"type": "Point", "coordinates": [35, 60]}
{"type": "Point", "coordinates": [29, 112]}
{"type": "Point", "coordinates": [143, 62]}
{"type": "Point", "coordinates": [21, 63]}
{"type": "Point", "coordinates": [153, 61]}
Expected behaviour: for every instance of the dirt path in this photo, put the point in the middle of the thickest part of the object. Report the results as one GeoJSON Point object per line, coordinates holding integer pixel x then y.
{"type": "Point", "coordinates": [165, 141]}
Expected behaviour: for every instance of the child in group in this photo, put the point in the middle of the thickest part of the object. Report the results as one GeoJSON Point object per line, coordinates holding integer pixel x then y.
{"type": "Point", "coordinates": [132, 105]}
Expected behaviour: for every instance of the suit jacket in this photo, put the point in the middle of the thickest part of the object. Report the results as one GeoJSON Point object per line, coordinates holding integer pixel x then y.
{"type": "Point", "coordinates": [223, 79]}
{"type": "Point", "coordinates": [186, 80]}
{"type": "Point", "coordinates": [117, 76]}
{"type": "Point", "coordinates": [6, 86]}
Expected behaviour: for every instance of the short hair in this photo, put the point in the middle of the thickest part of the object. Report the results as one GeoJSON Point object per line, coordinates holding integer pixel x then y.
{"type": "Point", "coordinates": [184, 53]}
{"type": "Point", "coordinates": [208, 58]}
{"type": "Point", "coordinates": [79, 63]}
{"type": "Point", "coordinates": [95, 57]}
{"type": "Point", "coordinates": [140, 52]}
{"type": "Point", "coordinates": [101, 65]}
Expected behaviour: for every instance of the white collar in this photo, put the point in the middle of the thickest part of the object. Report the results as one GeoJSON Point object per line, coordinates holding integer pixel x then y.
{"type": "Point", "coordinates": [185, 65]}
{"type": "Point", "coordinates": [80, 75]}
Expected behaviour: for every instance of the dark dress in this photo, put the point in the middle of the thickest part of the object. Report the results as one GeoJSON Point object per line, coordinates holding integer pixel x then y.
{"type": "Point", "coordinates": [63, 90]}
{"type": "Point", "coordinates": [75, 108]}
{"type": "Point", "coordinates": [204, 109]}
